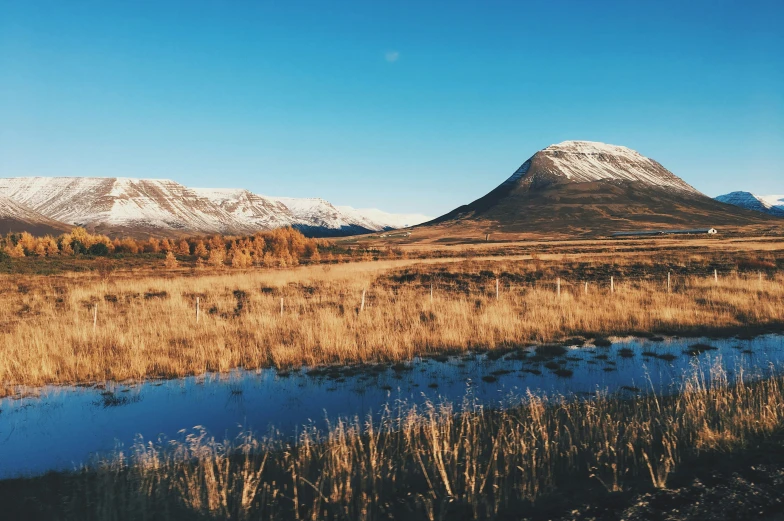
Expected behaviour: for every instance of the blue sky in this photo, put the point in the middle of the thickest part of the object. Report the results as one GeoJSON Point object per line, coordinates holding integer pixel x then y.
{"type": "Point", "coordinates": [405, 106]}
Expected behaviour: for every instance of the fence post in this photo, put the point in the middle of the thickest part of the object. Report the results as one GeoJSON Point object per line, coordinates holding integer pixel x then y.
{"type": "Point", "coordinates": [197, 310]}
{"type": "Point", "coordinates": [669, 282]}
{"type": "Point", "coordinates": [558, 284]}
{"type": "Point", "coordinates": [612, 284]}
{"type": "Point", "coordinates": [431, 293]}
{"type": "Point", "coordinates": [362, 306]}
{"type": "Point", "coordinates": [496, 289]}
{"type": "Point", "coordinates": [95, 316]}
{"type": "Point", "coordinates": [586, 288]}
{"type": "Point", "coordinates": [281, 306]}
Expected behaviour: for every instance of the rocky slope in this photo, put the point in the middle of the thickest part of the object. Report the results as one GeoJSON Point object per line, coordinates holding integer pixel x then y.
{"type": "Point", "coordinates": [15, 217]}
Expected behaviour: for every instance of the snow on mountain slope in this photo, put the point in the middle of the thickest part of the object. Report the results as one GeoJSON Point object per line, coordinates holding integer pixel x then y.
{"type": "Point", "coordinates": [252, 209]}
{"type": "Point", "coordinates": [15, 217]}
{"type": "Point", "coordinates": [770, 204]}
{"type": "Point", "coordinates": [774, 201]}
{"type": "Point", "coordinates": [383, 219]}
{"type": "Point", "coordinates": [161, 207]}
{"type": "Point", "coordinates": [143, 205]}
{"type": "Point", "coordinates": [314, 213]}
{"type": "Point", "coordinates": [586, 161]}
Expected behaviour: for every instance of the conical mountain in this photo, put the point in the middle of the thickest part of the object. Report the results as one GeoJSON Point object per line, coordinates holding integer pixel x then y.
{"type": "Point", "coordinates": [589, 188]}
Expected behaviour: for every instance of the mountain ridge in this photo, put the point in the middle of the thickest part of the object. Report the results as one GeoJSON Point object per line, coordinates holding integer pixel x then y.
{"type": "Point", "coordinates": [769, 204]}
{"type": "Point", "coordinates": [161, 207]}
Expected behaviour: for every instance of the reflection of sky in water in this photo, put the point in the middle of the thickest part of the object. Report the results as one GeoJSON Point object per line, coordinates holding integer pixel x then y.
{"type": "Point", "coordinates": [63, 426]}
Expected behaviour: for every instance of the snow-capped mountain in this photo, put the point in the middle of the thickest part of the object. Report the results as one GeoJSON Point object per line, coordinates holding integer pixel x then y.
{"type": "Point", "coordinates": [254, 210]}
{"type": "Point", "coordinates": [122, 204]}
{"type": "Point", "coordinates": [588, 188]}
{"type": "Point", "coordinates": [770, 204]}
{"type": "Point", "coordinates": [586, 161]}
{"type": "Point", "coordinates": [15, 217]}
{"type": "Point", "coordinates": [126, 206]}
{"type": "Point", "coordinates": [314, 214]}
{"type": "Point", "coordinates": [385, 219]}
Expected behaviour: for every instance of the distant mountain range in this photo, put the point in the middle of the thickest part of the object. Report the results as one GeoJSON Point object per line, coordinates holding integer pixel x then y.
{"type": "Point", "coordinates": [770, 204]}
{"type": "Point", "coordinates": [141, 207]}
{"type": "Point", "coordinates": [574, 188]}
{"type": "Point", "coordinates": [589, 188]}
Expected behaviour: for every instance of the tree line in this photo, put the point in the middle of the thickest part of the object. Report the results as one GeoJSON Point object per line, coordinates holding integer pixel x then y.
{"type": "Point", "coordinates": [281, 247]}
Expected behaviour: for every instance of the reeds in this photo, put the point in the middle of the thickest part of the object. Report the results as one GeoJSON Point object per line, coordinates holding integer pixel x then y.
{"type": "Point", "coordinates": [436, 462]}
{"type": "Point", "coordinates": [145, 325]}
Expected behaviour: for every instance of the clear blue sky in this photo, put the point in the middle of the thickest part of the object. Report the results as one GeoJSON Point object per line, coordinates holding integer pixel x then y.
{"type": "Point", "coordinates": [405, 106]}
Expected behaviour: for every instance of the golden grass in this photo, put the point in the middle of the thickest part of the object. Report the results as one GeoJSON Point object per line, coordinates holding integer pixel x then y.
{"type": "Point", "coordinates": [146, 323]}
{"type": "Point", "coordinates": [438, 462]}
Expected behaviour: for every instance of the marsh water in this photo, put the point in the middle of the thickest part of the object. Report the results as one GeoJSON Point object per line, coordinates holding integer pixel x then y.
{"type": "Point", "coordinates": [63, 427]}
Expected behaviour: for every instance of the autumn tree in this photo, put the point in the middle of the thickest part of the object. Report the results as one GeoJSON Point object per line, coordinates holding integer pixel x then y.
{"type": "Point", "coordinates": [183, 248]}
{"type": "Point", "coordinates": [200, 250]}
{"type": "Point", "coordinates": [171, 261]}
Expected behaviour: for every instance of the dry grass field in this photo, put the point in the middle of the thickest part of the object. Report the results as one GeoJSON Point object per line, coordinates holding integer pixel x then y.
{"type": "Point", "coordinates": [119, 325]}
{"type": "Point", "coordinates": [543, 457]}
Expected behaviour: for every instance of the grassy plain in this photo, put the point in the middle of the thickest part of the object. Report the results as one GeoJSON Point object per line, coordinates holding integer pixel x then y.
{"type": "Point", "coordinates": [146, 325]}
{"type": "Point", "coordinates": [553, 458]}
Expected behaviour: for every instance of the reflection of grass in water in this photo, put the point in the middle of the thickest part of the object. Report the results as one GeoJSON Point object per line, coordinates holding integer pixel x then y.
{"type": "Point", "coordinates": [698, 349]}
{"type": "Point", "coordinates": [444, 458]}
{"type": "Point", "coordinates": [109, 399]}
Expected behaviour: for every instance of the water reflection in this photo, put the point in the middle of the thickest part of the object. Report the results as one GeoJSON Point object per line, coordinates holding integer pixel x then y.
{"type": "Point", "coordinates": [62, 426]}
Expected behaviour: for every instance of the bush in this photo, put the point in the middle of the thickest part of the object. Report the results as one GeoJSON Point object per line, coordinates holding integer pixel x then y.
{"type": "Point", "coordinates": [98, 249]}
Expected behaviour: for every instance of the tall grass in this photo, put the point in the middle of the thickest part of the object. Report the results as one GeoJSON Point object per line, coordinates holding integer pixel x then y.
{"type": "Point", "coordinates": [146, 324]}
{"type": "Point", "coordinates": [436, 462]}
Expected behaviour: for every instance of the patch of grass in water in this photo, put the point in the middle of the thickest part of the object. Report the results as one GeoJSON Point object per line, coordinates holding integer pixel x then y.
{"type": "Point", "coordinates": [630, 388]}
{"type": "Point", "coordinates": [489, 378]}
{"type": "Point", "coordinates": [500, 372]}
{"type": "Point", "coordinates": [551, 350]}
{"type": "Point", "coordinates": [532, 371]}
{"type": "Point", "coordinates": [563, 372]}
{"type": "Point", "coordinates": [698, 349]}
{"type": "Point", "coordinates": [625, 352]}
{"type": "Point", "coordinates": [669, 357]}
{"type": "Point", "coordinates": [602, 342]}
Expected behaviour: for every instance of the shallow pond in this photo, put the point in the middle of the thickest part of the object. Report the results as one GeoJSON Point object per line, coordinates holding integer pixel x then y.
{"type": "Point", "coordinates": [61, 427]}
